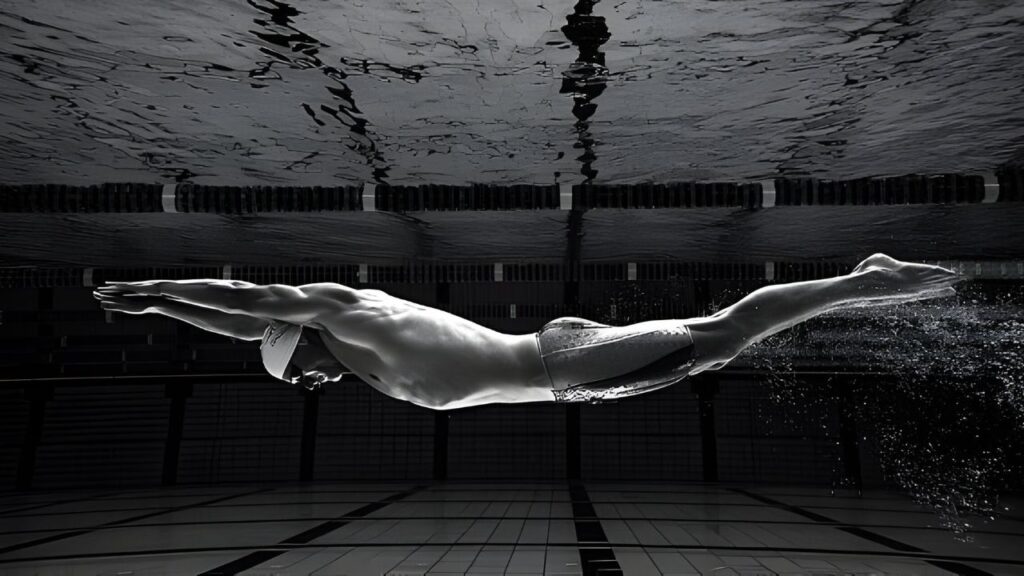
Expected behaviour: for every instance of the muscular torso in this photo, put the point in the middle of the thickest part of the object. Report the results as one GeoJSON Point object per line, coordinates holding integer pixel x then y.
{"type": "Point", "coordinates": [433, 358]}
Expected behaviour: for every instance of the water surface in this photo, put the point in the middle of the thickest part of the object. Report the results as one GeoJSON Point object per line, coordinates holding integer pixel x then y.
{"type": "Point", "coordinates": [506, 92]}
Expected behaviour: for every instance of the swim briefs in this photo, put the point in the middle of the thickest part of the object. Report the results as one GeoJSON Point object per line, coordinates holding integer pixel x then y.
{"type": "Point", "coordinates": [591, 362]}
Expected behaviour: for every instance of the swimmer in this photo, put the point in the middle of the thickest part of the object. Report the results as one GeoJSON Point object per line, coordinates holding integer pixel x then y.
{"type": "Point", "coordinates": [315, 333]}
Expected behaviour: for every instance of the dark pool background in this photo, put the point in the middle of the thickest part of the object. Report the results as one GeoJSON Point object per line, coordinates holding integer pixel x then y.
{"type": "Point", "coordinates": [328, 93]}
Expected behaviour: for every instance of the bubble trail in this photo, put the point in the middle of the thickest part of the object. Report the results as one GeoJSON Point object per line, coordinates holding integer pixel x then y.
{"type": "Point", "coordinates": [944, 408]}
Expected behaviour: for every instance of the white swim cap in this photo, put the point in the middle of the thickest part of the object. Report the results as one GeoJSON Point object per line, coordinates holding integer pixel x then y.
{"type": "Point", "coordinates": [278, 345]}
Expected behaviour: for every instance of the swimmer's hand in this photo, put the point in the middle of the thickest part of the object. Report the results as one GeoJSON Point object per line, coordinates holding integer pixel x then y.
{"type": "Point", "coordinates": [146, 288]}
{"type": "Point", "coordinates": [128, 303]}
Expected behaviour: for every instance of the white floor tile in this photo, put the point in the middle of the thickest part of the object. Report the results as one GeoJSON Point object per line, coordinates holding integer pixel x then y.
{"type": "Point", "coordinates": [526, 560]}
{"type": "Point", "coordinates": [507, 532]}
{"type": "Point", "coordinates": [635, 562]}
{"type": "Point", "coordinates": [366, 560]}
{"type": "Point", "coordinates": [562, 561]}
{"type": "Point", "coordinates": [510, 529]}
{"type": "Point", "coordinates": [491, 560]}
{"type": "Point", "coordinates": [420, 561]}
{"type": "Point", "coordinates": [155, 564]}
{"type": "Point", "coordinates": [167, 538]}
{"type": "Point", "coordinates": [672, 562]}
{"type": "Point", "coordinates": [302, 561]}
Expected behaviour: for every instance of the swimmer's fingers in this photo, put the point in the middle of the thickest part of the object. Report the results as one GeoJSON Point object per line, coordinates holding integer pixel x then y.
{"type": "Point", "coordinates": [106, 291]}
{"type": "Point", "coordinates": [125, 302]}
{"type": "Point", "coordinates": [115, 306]}
{"type": "Point", "coordinates": [113, 290]}
{"type": "Point", "coordinates": [938, 283]}
{"type": "Point", "coordinates": [934, 278]}
{"type": "Point", "coordinates": [940, 293]}
{"type": "Point", "coordinates": [129, 304]}
{"type": "Point", "coordinates": [123, 308]}
{"type": "Point", "coordinates": [148, 288]}
{"type": "Point", "coordinates": [139, 283]}
{"type": "Point", "coordinates": [110, 296]}
{"type": "Point", "coordinates": [948, 275]}
{"type": "Point", "coordinates": [111, 293]}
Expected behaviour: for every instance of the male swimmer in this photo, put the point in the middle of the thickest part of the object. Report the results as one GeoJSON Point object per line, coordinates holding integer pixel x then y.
{"type": "Point", "coordinates": [314, 333]}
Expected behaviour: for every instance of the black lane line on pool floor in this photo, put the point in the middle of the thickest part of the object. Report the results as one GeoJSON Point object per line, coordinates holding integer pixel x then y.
{"type": "Point", "coordinates": [260, 556]}
{"type": "Point", "coordinates": [123, 521]}
{"type": "Point", "coordinates": [700, 548]}
{"type": "Point", "coordinates": [954, 567]}
{"type": "Point", "coordinates": [596, 554]}
{"type": "Point", "coordinates": [570, 518]}
{"type": "Point", "coordinates": [599, 501]}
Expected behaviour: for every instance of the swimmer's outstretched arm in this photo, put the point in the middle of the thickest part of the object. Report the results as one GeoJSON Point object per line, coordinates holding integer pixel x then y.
{"type": "Point", "coordinates": [237, 326]}
{"type": "Point", "coordinates": [292, 304]}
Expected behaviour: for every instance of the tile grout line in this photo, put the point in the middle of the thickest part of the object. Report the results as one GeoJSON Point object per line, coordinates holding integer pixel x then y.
{"type": "Point", "coordinates": [14, 511]}
{"type": "Point", "coordinates": [924, 556]}
{"type": "Point", "coordinates": [117, 523]}
{"type": "Point", "coordinates": [258, 557]}
{"type": "Point", "coordinates": [882, 510]}
{"type": "Point", "coordinates": [891, 543]}
{"type": "Point", "coordinates": [73, 533]}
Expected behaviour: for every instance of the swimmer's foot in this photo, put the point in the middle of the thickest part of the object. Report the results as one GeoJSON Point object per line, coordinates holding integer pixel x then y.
{"type": "Point", "coordinates": [880, 276]}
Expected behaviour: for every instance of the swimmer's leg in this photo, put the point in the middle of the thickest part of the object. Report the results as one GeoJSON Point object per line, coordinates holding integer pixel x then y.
{"type": "Point", "coordinates": [237, 326]}
{"type": "Point", "coordinates": [877, 280]}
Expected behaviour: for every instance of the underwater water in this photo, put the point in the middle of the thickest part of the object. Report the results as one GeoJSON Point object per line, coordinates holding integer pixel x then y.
{"type": "Point", "coordinates": [409, 92]}
{"type": "Point", "coordinates": [944, 406]}
{"type": "Point", "coordinates": [935, 388]}
{"type": "Point", "coordinates": [406, 92]}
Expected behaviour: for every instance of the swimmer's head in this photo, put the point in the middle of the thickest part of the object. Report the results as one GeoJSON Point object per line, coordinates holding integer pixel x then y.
{"type": "Point", "coordinates": [298, 356]}
{"type": "Point", "coordinates": [277, 348]}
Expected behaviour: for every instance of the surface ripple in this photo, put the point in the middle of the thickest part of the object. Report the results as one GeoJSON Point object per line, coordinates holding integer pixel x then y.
{"type": "Point", "coordinates": [456, 92]}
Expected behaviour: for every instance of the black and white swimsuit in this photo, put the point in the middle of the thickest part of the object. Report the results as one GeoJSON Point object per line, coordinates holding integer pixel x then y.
{"type": "Point", "coordinates": [591, 362]}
